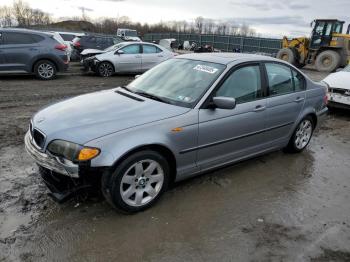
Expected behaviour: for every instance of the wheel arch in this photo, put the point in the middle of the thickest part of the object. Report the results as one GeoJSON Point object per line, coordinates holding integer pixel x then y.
{"type": "Point", "coordinates": [43, 59]}
{"type": "Point", "coordinates": [106, 61]}
{"type": "Point", "coordinates": [161, 149]}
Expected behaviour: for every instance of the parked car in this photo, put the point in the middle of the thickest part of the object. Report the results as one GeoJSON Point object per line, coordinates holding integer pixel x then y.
{"type": "Point", "coordinates": [33, 52]}
{"type": "Point", "coordinates": [92, 52]}
{"type": "Point", "coordinates": [129, 57]}
{"type": "Point", "coordinates": [59, 38]}
{"type": "Point", "coordinates": [128, 34]}
{"type": "Point", "coordinates": [68, 38]}
{"type": "Point", "coordinates": [99, 42]}
{"type": "Point", "coordinates": [186, 116]}
{"type": "Point", "coordinates": [339, 88]}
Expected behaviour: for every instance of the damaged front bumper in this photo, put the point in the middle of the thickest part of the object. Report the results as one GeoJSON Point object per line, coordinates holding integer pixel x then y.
{"type": "Point", "coordinates": [64, 180]}
{"type": "Point", "coordinates": [48, 161]}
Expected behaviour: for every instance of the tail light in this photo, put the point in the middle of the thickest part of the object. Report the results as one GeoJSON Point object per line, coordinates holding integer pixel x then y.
{"type": "Point", "coordinates": [61, 47]}
{"type": "Point", "coordinates": [325, 99]}
{"type": "Point", "coordinates": [77, 44]}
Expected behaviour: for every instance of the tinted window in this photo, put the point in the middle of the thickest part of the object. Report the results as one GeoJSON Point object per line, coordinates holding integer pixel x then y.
{"type": "Point", "coordinates": [131, 49]}
{"type": "Point", "coordinates": [299, 81]}
{"type": "Point", "coordinates": [67, 37]}
{"type": "Point", "coordinates": [20, 38]}
{"type": "Point", "coordinates": [244, 84]}
{"type": "Point", "coordinates": [149, 49]}
{"type": "Point", "coordinates": [280, 79]}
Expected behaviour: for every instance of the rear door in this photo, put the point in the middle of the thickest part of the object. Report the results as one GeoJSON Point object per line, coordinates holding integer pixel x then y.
{"type": "Point", "coordinates": [19, 49]}
{"type": "Point", "coordinates": [285, 101]}
{"type": "Point", "coordinates": [2, 53]}
{"type": "Point", "coordinates": [226, 135]}
{"type": "Point", "coordinates": [130, 60]}
{"type": "Point", "coordinates": [151, 56]}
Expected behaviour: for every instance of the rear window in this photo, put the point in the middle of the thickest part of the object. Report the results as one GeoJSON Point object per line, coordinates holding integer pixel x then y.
{"type": "Point", "coordinates": [10, 38]}
{"type": "Point", "coordinates": [67, 37]}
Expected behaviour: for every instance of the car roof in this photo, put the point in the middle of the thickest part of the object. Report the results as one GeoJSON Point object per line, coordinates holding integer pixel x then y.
{"type": "Point", "coordinates": [225, 58]}
{"type": "Point", "coordinates": [23, 30]}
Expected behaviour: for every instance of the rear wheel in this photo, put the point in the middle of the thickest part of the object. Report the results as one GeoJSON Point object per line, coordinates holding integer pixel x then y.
{"type": "Point", "coordinates": [105, 69]}
{"type": "Point", "coordinates": [287, 54]}
{"type": "Point", "coordinates": [137, 182]}
{"type": "Point", "coordinates": [301, 136]}
{"type": "Point", "coordinates": [45, 70]}
{"type": "Point", "coordinates": [327, 61]}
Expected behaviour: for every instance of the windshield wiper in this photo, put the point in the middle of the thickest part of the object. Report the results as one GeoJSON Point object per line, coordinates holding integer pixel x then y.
{"type": "Point", "coordinates": [127, 89]}
{"type": "Point", "coordinates": [154, 97]}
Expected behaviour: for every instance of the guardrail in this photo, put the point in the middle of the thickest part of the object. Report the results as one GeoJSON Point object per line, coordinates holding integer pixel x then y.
{"type": "Point", "coordinates": [224, 43]}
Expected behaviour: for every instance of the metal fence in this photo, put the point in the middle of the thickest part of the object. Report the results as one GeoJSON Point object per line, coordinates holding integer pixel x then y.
{"type": "Point", "coordinates": [223, 42]}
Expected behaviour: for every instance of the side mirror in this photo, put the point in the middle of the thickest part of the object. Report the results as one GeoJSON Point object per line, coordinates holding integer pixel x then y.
{"type": "Point", "coordinates": [223, 102]}
{"type": "Point", "coordinates": [137, 76]}
{"type": "Point", "coordinates": [119, 52]}
{"type": "Point", "coordinates": [339, 70]}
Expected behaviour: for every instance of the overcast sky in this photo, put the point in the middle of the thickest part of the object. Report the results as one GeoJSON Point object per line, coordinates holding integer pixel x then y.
{"type": "Point", "coordinates": [268, 17]}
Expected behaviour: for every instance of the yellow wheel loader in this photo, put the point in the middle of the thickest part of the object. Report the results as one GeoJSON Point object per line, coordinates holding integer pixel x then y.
{"type": "Point", "coordinates": [327, 49]}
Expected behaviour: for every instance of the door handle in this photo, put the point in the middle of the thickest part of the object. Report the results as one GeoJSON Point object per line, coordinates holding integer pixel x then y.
{"type": "Point", "coordinates": [137, 56]}
{"type": "Point", "coordinates": [160, 56]}
{"type": "Point", "coordinates": [299, 99]}
{"type": "Point", "coordinates": [259, 108]}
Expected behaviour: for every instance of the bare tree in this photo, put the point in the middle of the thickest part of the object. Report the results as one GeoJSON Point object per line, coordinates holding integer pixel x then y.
{"type": "Point", "coordinates": [199, 23]}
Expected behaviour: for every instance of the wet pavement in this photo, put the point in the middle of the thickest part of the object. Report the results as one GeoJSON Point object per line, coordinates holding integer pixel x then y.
{"type": "Point", "coordinates": [278, 207]}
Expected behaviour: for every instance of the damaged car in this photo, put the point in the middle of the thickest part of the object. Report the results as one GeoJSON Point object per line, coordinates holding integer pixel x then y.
{"type": "Point", "coordinates": [186, 116]}
{"type": "Point", "coordinates": [339, 88]}
{"type": "Point", "coordinates": [128, 57]}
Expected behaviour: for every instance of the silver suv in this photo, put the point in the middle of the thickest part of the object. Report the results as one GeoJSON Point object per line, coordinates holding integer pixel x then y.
{"type": "Point", "coordinates": [187, 115]}
{"type": "Point", "coordinates": [32, 52]}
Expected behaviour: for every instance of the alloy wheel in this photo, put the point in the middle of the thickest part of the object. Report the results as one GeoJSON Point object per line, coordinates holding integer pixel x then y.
{"type": "Point", "coordinates": [142, 182]}
{"type": "Point", "coordinates": [106, 69]}
{"type": "Point", "coordinates": [46, 70]}
{"type": "Point", "coordinates": [303, 134]}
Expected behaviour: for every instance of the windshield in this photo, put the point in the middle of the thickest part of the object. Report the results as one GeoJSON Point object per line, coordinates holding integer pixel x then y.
{"type": "Point", "coordinates": [178, 81]}
{"type": "Point", "coordinates": [347, 69]}
{"type": "Point", "coordinates": [114, 47]}
{"type": "Point", "coordinates": [130, 33]}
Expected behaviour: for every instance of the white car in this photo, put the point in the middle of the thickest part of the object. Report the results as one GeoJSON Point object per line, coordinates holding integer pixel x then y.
{"type": "Point", "coordinates": [59, 38]}
{"type": "Point", "coordinates": [339, 88]}
{"type": "Point", "coordinates": [129, 57]}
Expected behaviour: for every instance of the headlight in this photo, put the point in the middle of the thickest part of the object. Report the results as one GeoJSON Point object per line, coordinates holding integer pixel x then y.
{"type": "Point", "coordinates": [72, 151]}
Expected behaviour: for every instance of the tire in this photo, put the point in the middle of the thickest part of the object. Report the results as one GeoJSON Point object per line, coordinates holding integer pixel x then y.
{"type": "Point", "coordinates": [105, 69]}
{"type": "Point", "coordinates": [130, 188]}
{"type": "Point", "coordinates": [287, 54]}
{"type": "Point", "coordinates": [327, 61]}
{"type": "Point", "coordinates": [45, 70]}
{"type": "Point", "coordinates": [301, 136]}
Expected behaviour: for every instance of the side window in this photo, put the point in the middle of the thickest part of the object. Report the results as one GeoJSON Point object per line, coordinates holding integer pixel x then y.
{"type": "Point", "coordinates": [244, 84]}
{"type": "Point", "coordinates": [10, 38]}
{"type": "Point", "coordinates": [280, 79]}
{"type": "Point", "coordinates": [149, 49]}
{"type": "Point", "coordinates": [131, 49]}
{"type": "Point", "coordinates": [299, 81]}
{"type": "Point", "coordinates": [159, 50]}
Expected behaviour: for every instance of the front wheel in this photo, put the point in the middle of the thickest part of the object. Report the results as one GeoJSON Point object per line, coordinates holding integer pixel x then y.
{"type": "Point", "coordinates": [105, 69]}
{"type": "Point", "coordinates": [301, 136]}
{"type": "Point", "coordinates": [137, 182]}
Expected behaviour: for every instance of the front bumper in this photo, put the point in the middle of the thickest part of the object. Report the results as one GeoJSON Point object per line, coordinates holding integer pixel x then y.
{"type": "Point", "coordinates": [339, 99]}
{"type": "Point", "coordinates": [50, 162]}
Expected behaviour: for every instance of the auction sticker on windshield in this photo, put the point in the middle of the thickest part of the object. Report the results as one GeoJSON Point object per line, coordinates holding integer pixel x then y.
{"type": "Point", "coordinates": [207, 69]}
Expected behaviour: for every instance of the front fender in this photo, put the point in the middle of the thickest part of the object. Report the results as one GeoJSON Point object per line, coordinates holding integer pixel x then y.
{"type": "Point", "coordinates": [159, 133]}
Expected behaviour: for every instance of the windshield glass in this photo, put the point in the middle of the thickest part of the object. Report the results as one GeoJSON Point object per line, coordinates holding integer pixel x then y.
{"type": "Point", "coordinates": [347, 69]}
{"type": "Point", "coordinates": [178, 81]}
{"type": "Point", "coordinates": [114, 47]}
{"type": "Point", "coordinates": [130, 33]}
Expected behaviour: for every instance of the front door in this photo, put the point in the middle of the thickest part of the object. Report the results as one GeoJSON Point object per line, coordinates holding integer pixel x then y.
{"type": "Point", "coordinates": [285, 102]}
{"type": "Point", "coordinates": [226, 135]}
{"type": "Point", "coordinates": [130, 60]}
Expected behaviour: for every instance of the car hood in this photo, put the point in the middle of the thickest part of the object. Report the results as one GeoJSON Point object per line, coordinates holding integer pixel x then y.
{"type": "Point", "coordinates": [339, 80]}
{"type": "Point", "coordinates": [87, 117]}
{"type": "Point", "coordinates": [91, 51]}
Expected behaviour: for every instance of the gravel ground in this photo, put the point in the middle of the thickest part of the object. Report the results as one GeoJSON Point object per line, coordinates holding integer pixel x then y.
{"type": "Point", "coordinates": [278, 207]}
